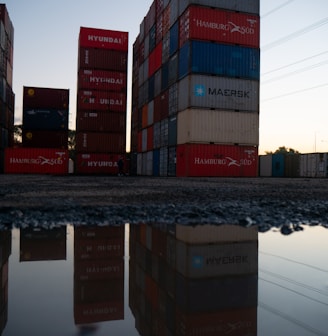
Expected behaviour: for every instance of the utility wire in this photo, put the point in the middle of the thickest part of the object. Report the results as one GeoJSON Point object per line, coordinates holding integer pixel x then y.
{"type": "Point", "coordinates": [295, 261]}
{"type": "Point", "coordinates": [293, 93]}
{"type": "Point", "coordinates": [294, 63]}
{"type": "Point", "coordinates": [294, 282]}
{"type": "Point", "coordinates": [292, 319]}
{"type": "Point", "coordinates": [276, 9]}
{"type": "Point", "coordinates": [295, 34]}
{"type": "Point", "coordinates": [295, 72]}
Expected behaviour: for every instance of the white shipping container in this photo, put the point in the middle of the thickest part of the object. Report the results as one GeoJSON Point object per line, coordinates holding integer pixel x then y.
{"type": "Point", "coordinates": [314, 165]}
{"type": "Point", "coordinates": [247, 6]}
{"type": "Point", "coordinates": [173, 99]}
{"type": "Point", "coordinates": [224, 127]}
{"type": "Point", "coordinates": [265, 162]}
{"type": "Point", "coordinates": [226, 93]}
{"type": "Point", "coordinates": [174, 8]}
{"type": "Point", "coordinates": [215, 260]}
{"type": "Point", "coordinates": [208, 234]}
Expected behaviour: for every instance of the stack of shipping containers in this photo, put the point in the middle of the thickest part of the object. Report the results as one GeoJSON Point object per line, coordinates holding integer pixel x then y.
{"type": "Point", "coordinates": [7, 98]}
{"type": "Point", "coordinates": [44, 133]}
{"type": "Point", "coordinates": [98, 274]}
{"type": "Point", "coordinates": [101, 100]}
{"type": "Point", "coordinates": [5, 252]}
{"type": "Point", "coordinates": [193, 280]}
{"type": "Point", "coordinates": [195, 108]}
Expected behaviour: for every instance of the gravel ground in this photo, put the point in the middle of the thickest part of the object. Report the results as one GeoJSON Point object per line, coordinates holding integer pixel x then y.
{"type": "Point", "coordinates": [55, 200]}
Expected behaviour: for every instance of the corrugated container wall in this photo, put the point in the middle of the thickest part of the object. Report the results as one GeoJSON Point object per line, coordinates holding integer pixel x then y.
{"type": "Point", "coordinates": [101, 101]}
{"type": "Point", "coordinates": [7, 97]}
{"type": "Point", "coordinates": [196, 70]}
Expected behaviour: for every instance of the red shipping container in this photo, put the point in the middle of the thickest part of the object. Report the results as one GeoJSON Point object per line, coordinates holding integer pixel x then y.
{"type": "Point", "coordinates": [36, 161]}
{"type": "Point", "coordinates": [36, 97]}
{"type": "Point", "coordinates": [155, 60]}
{"type": "Point", "coordinates": [103, 39]}
{"type": "Point", "coordinates": [102, 80]}
{"type": "Point", "coordinates": [97, 163]}
{"type": "Point", "coordinates": [216, 160]}
{"type": "Point", "coordinates": [161, 106]}
{"type": "Point", "coordinates": [92, 142]}
{"type": "Point", "coordinates": [103, 59]}
{"type": "Point", "coordinates": [100, 121]}
{"type": "Point", "coordinates": [99, 311]}
{"type": "Point", "coordinates": [95, 232]}
{"type": "Point", "coordinates": [85, 270]}
{"type": "Point", "coordinates": [45, 139]}
{"type": "Point", "coordinates": [236, 322]}
{"type": "Point", "coordinates": [101, 101]}
{"type": "Point", "coordinates": [203, 23]}
{"type": "Point", "coordinates": [99, 248]}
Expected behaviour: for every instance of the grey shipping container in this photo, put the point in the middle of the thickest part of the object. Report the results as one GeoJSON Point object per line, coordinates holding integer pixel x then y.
{"type": "Point", "coordinates": [213, 260]}
{"type": "Point", "coordinates": [219, 93]}
{"type": "Point", "coordinates": [247, 6]}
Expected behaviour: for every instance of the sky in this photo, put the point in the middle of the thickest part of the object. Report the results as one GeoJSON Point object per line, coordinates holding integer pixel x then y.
{"type": "Point", "coordinates": [294, 60]}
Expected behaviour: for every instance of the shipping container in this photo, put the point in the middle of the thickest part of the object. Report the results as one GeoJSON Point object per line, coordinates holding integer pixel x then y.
{"type": "Point", "coordinates": [202, 234]}
{"type": "Point", "coordinates": [314, 165]}
{"type": "Point", "coordinates": [88, 313]}
{"type": "Point", "coordinates": [94, 142]}
{"type": "Point", "coordinates": [102, 59]}
{"type": "Point", "coordinates": [213, 294]}
{"type": "Point", "coordinates": [209, 24]}
{"type": "Point", "coordinates": [199, 261]}
{"type": "Point", "coordinates": [219, 59]}
{"type": "Point", "coordinates": [36, 161]}
{"type": "Point", "coordinates": [201, 91]}
{"type": "Point", "coordinates": [97, 232]}
{"type": "Point", "coordinates": [265, 165]}
{"type": "Point", "coordinates": [171, 161]}
{"type": "Point", "coordinates": [94, 100]}
{"type": "Point", "coordinates": [48, 98]}
{"type": "Point", "coordinates": [45, 119]}
{"type": "Point", "coordinates": [155, 60]}
{"type": "Point", "coordinates": [45, 138]}
{"type": "Point", "coordinates": [102, 80]}
{"type": "Point", "coordinates": [225, 127]}
{"type": "Point", "coordinates": [232, 322]}
{"type": "Point", "coordinates": [278, 165]}
{"type": "Point", "coordinates": [98, 163]}
{"type": "Point", "coordinates": [103, 39]}
{"type": "Point", "coordinates": [101, 121]}
{"type": "Point", "coordinates": [42, 244]}
{"type": "Point", "coordinates": [216, 160]}
{"type": "Point", "coordinates": [292, 165]}
{"type": "Point", "coordinates": [252, 7]}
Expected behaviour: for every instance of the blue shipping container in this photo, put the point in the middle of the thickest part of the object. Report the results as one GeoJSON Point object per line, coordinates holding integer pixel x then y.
{"type": "Point", "coordinates": [174, 38]}
{"type": "Point", "coordinates": [156, 157]}
{"type": "Point", "coordinates": [278, 165]}
{"type": "Point", "coordinates": [219, 59]}
{"type": "Point", "coordinates": [45, 119]}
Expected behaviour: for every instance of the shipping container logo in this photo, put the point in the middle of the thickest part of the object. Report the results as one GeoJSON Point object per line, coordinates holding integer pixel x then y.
{"type": "Point", "coordinates": [199, 90]}
{"type": "Point", "coordinates": [30, 92]}
{"type": "Point", "coordinates": [197, 262]}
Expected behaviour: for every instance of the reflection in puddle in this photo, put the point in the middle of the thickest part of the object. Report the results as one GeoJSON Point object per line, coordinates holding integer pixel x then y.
{"type": "Point", "coordinates": [156, 279]}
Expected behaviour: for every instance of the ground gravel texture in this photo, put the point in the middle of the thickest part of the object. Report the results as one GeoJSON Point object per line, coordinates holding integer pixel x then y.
{"type": "Point", "coordinates": [266, 202]}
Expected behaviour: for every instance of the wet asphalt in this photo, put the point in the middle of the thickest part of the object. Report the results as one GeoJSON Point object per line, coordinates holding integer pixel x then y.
{"type": "Point", "coordinates": [46, 200]}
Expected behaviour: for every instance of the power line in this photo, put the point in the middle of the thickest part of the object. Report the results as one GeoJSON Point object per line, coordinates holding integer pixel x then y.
{"type": "Point", "coordinates": [291, 319]}
{"type": "Point", "coordinates": [276, 9]}
{"type": "Point", "coordinates": [295, 34]}
{"type": "Point", "coordinates": [294, 63]}
{"type": "Point", "coordinates": [295, 261]}
{"type": "Point", "coordinates": [294, 282]}
{"type": "Point", "coordinates": [293, 93]}
{"type": "Point", "coordinates": [295, 72]}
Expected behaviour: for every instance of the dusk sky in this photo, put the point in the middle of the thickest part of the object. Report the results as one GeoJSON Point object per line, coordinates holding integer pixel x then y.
{"type": "Point", "coordinates": [294, 60]}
